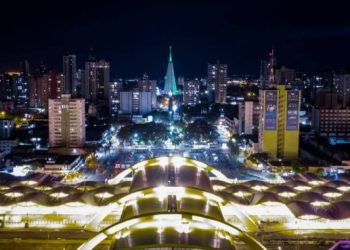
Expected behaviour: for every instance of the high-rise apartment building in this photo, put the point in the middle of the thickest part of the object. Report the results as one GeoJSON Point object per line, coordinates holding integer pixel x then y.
{"type": "Point", "coordinates": [341, 84]}
{"type": "Point", "coordinates": [249, 116]}
{"type": "Point", "coordinates": [135, 102]}
{"type": "Point", "coordinates": [181, 81]}
{"type": "Point", "coordinates": [55, 86]}
{"type": "Point", "coordinates": [147, 85]}
{"type": "Point", "coordinates": [115, 87]}
{"type": "Point", "coordinates": [80, 80]}
{"type": "Point", "coordinates": [14, 87]}
{"type": "Point", "coordinates": [21, 91]}
{"type": "Point", "coordinates": [217, 81]}
{"type": "Point", "coordinates": [67, 122]}
{"type": "Point", "coordinates": [264, 74]}
{"type": "Point", "coordinates": [279, 128]}
{"type": "Point", "coordinates": [25, 67]}
{"type": "Point", "coordinates": [96, 82]}
{"type": "Point", "coordinates": [60, 85]}
{"type": "Point", "coordinates": [191, 92]}
{"type": "Point", "coordinates": [69, 71]}
{"type": "Point", "coordinates": [4, 85]}
{"type": "Point", "coordinates": [45, 86]}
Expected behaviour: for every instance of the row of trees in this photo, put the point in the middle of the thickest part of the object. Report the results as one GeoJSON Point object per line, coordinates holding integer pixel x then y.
{"type": "Point", "coordinates": [200, 131]}
{"type": "Point", "coordinates": [156, 133]}
{"type": "Point", "coordinates": [148, 133]}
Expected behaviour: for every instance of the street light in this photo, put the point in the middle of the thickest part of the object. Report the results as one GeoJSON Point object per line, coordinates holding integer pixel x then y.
{"type": "Point", "coordinates": [175, 108]}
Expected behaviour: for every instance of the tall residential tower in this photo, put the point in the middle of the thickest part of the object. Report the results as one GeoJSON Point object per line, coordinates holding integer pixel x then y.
{"type": "Point", "coordinates": [96, 86]}
{"type": "Point", "coordinates": [217, 81]}
{"type": "Point", "coordinates": [69, 70]}
{"type": "Point", "coordinates": [67, 122]}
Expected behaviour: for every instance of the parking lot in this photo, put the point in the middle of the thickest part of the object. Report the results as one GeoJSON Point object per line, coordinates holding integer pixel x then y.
{"type": "Point", "coordinates": [221, 159]}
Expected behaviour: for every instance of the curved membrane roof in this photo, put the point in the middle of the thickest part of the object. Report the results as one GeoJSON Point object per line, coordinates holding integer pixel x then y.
{"type": "Point", "coordinates": [170, 171]}
{"type": "Point", "coordinates": [171, 204]}
{"type": "Point", "coordinates": [175, 201]}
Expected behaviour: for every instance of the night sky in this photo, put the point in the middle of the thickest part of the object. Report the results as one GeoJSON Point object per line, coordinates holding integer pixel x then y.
{"type": "Point", "coordinates": [134, 35]}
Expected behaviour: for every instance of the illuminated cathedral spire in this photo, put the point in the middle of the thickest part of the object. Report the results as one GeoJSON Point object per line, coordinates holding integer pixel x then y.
{"type": "Point", "coordinates": [170, 81]}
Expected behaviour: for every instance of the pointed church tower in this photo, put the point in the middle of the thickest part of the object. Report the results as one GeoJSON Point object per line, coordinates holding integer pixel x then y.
{"type": "Point", "coordinates": [170, 81]}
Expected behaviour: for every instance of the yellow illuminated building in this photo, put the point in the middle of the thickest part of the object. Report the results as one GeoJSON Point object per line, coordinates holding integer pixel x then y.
{"type": "Point", "coordinates": [279, 129]}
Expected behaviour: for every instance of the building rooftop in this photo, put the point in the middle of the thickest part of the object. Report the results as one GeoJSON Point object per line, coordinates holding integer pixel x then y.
{"type": "Point", "coordinates": [175, 201]}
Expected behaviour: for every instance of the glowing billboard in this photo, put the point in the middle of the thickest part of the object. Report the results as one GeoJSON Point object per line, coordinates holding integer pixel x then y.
{"type": "Point", "coordinates": [292, 117]}
{"type": "Point", "coordinates": [270, 110]}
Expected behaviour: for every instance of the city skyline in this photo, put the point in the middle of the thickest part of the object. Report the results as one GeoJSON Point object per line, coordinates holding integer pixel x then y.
{"type": "Point", "coordinates": [175, 125]}
{"type": "Point", "coordinates": [310, 36]}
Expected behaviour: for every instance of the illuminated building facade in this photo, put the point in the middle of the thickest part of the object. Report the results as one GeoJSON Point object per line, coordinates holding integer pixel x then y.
{"type": "Point", "coordinates": [59, 86]}
{"type": "Point", "coordinates": [14, 87]}
{"type": "Point", "coordinates": [249, 116]}
{"type": "Point", "coordinates": [115, 87]}
{"type": "Point", "coordinates": [191, 92]}
{"type": "Point", "coordinates": [67, 122]}
{"type": "Point", "coordinates": [217, 81]}
{"type": "Point", "coordinates": [227, 126]}
{"type": "Point", "coordinates": [7, 127]}
{"type": "Point", "coordinates": [44, 86]}
{"type": "Point", "coordinates": [21, 90]}
{"type": "Point", "coordinates": [6, 145]}
{"type": "Point", "coordinates": [135, 102]}
{"type": "Point", "coordinates": [279, 128]}
{"type": "Point", "coordinates": [69, 71]}
{"type": "Point", "coordinates": [331, 122]}
{"type": "Point", "coordinates": [341, 83]}
{"type": "Point", "coordinates": [42, 91]}
{"type": "Point", "coordinates": [147, 85]}
{"type": "Point", "coordinates": [179, 202]}
{"type": "Point", "coordinates": [96, 85]}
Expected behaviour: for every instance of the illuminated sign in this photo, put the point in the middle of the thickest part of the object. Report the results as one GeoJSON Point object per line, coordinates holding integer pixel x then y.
{"type": "Point", "coordinates": [292, 117]}
{"type": "Point", "coordinates": [270, 109]}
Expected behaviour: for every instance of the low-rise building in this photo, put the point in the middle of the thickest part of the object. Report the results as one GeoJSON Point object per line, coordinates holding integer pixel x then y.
{"type": "Point", "coordinates": [332, 122]}
{"type": "Point", "coordinates": [6, 128]}
{"type": "Point", "coordinates": [6, 145]}
{"type": "Point", "coordinates": [227, 125]}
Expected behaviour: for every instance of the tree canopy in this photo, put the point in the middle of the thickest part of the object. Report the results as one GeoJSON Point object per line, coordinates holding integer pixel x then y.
{"type": "Point", "coordinates": [200, 131]}
{"type": "Point", "coordinates": [147, 133]}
